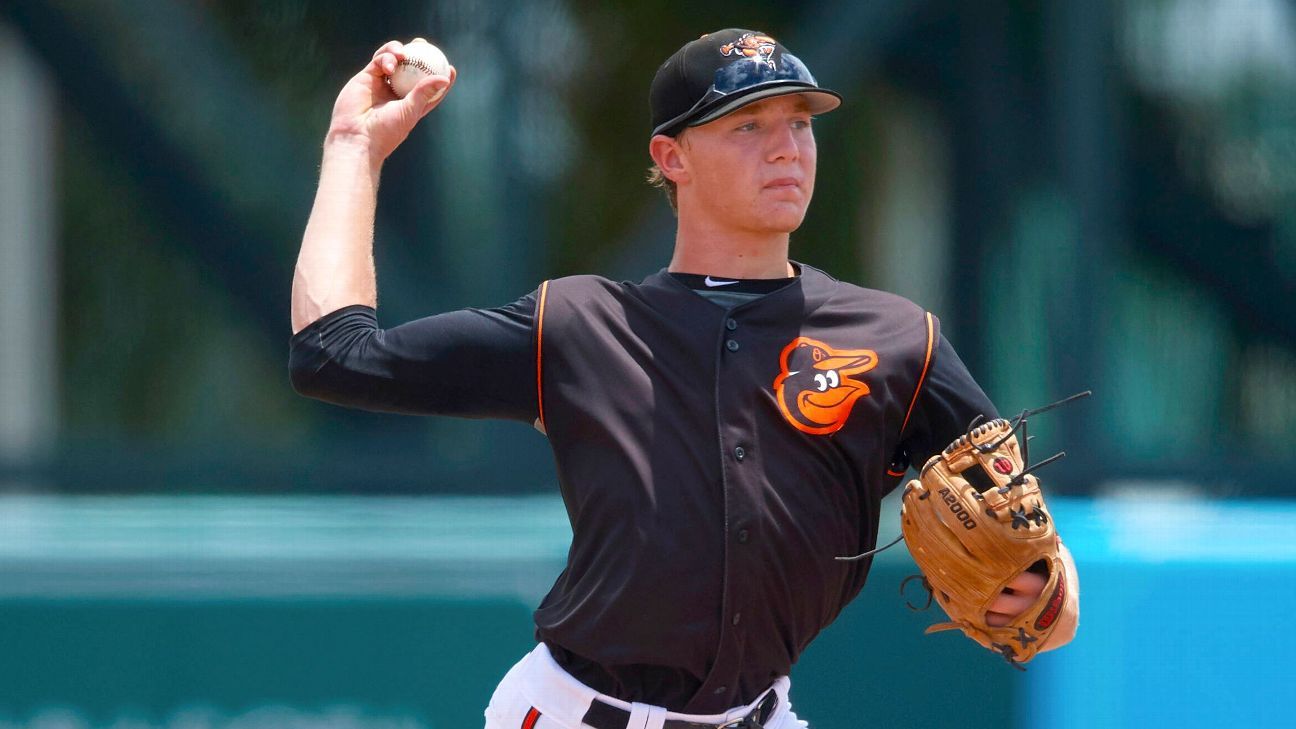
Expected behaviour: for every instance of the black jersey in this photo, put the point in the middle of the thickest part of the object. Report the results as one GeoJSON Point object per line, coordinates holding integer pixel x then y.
{"type": "Point", "coordinates": [713, 460]}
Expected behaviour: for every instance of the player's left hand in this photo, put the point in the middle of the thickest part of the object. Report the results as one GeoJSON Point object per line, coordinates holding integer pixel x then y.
{"type": "Point", "coordinates": [1020, 594]}
{"type": "Point", "coordinates": [989, 520]}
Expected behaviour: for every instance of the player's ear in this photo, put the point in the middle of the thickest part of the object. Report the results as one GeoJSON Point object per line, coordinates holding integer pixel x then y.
{"type": "Point", "coordinates": [668, 153]}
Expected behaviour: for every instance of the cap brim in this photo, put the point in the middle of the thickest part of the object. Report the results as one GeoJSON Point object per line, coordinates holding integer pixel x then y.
{"type": "Point", "coordinates": [820, 101]}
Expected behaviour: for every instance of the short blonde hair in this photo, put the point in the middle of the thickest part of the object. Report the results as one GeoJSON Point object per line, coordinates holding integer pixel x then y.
{"type": "Point", "coordinates": [659, 180]}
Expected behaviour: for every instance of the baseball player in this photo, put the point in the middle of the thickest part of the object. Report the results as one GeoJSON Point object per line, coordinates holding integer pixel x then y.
{"type": "Point", "coordinates": [721, 429]}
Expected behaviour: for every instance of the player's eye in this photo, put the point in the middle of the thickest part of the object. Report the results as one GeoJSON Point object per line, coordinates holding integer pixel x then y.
{"type": "Point", "coordinates": [833, 379]}
{"type": "Point", "coordinates": [822, 381]}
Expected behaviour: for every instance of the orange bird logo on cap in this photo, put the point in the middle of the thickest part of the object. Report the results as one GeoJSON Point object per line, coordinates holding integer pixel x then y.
{"type": "Point", "coordinates": [753, 46]}
{"type": "Point", "coordinates": [814, 388]}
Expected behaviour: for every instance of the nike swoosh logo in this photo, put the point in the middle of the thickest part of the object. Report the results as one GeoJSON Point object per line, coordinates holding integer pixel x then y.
{"type": "Point", "coordinates": [712, 282]}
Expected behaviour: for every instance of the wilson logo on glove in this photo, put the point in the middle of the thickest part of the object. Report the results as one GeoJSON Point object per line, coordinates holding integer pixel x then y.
{"type": "Point", "coordinates": [1053, 608]}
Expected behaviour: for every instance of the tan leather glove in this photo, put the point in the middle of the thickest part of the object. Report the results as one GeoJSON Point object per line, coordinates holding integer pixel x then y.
{"type": "Point", "coordinates": [973, 522]}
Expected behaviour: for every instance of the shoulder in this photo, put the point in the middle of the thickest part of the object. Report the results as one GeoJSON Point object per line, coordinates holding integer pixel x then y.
{"type": "Point", "coordinates": [582, 297]}
{"type": "Point", "coordinates": [588, 285]}
{"type": "Point", "coordinates": [817, 279]}
{"type": "Point", "coordinates": [874, 303]}
{"type": "Point", "coordinates": [589, 289]}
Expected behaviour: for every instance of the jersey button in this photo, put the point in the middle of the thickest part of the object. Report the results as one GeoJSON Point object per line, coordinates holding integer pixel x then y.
{"type": "Point", "coordinates": [740, 453]}
{"type": "Point", "coordinates": [737, 617]}
{"type": "Point", "coordinates": [721, 690]}
{"type": "Point", "coordinates": [731, 345]}
{"type": "Point", "coordinates": [731, 325]}
{"type": "Point", "coordinates": [743, 536]}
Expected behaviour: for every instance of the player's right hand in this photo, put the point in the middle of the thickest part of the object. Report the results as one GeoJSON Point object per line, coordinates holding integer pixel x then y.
{"type": "Point", "coordinates": [368, 113]}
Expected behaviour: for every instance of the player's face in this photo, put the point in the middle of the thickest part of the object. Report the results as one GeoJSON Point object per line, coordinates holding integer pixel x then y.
{"type": "Point", "coordinates": [753, 169]}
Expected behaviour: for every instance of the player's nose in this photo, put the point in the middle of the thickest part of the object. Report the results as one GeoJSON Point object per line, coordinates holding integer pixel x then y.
{"type": "Point", "coordinates": [782, 144]}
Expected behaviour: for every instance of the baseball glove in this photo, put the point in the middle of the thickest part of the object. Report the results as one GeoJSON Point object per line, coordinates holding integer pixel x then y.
{"type": "Point", "coordinates": [974, 520]}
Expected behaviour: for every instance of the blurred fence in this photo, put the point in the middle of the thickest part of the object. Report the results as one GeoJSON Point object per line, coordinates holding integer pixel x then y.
{"type": "Point", "coordinates": [343, 612]}
{"type": "Point", "coordinates": [1093, 195]}
{"type": "Point", "coordinates": [1090, 195]}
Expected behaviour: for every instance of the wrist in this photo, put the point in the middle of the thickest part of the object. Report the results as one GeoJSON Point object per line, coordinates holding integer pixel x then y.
{"type": "Point", "coordinates": [351, 148]}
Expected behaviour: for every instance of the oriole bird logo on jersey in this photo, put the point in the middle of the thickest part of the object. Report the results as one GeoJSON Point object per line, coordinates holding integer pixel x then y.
{"type": "Point", "coordinates": [814, 387]}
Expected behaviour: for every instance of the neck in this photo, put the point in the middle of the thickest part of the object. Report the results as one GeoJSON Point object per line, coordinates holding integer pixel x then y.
{"type": "Point", "coordinates": [719, 251]}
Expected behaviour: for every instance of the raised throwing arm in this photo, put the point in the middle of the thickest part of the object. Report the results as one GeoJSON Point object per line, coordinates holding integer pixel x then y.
{"type": "Point", "coordinates": [335, 266]}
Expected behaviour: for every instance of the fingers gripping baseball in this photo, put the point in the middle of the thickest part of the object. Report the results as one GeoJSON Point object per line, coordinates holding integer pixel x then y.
{"type": "Point", "coordinates": [369, 112]}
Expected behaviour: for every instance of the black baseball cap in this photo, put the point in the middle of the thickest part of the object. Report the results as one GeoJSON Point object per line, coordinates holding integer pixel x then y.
{"type": "Point", "coordinates": [725, 70]}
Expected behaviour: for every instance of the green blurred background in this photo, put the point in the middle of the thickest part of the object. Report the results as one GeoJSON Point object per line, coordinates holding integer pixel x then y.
{"type": "Point", "coordinates": [1091, 195]}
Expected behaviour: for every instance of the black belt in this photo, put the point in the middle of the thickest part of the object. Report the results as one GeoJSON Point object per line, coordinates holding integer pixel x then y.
{"type": "Point", "coordinates": [607, 716]}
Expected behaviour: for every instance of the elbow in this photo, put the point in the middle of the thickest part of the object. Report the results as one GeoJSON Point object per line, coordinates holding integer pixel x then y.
{"type": "Point", "coordinates": [304, 365]}
{"type": "Point", "coordinates": [302, 379]}
{"type": "Point", "coordinates": [312, 383]}
{"type": "Point", "coordinates": [316, 374]}
{"type": "Point", "coordinates": [329, 362]}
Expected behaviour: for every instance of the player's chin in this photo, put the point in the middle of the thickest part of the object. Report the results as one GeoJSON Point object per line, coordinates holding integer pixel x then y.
{"type": "Point", "coordinates": [783, 217]}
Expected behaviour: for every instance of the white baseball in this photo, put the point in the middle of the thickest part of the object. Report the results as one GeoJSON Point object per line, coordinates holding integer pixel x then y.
{"type": "Point", "coordinates": [422, 59]}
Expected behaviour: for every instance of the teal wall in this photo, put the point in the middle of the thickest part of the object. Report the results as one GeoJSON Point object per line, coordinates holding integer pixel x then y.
{"type": "Point", "coordinates": [435, 661]}
{"type": "Point", "coordinates": [352, 613]}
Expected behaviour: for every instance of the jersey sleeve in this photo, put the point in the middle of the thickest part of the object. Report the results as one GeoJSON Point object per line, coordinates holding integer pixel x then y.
{"type": "Point", "coordinates": [949, 401]}
{"type": "Point", "coordinates": [471, 363]}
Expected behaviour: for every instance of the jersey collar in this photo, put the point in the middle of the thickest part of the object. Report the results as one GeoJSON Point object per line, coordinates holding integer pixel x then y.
{"type": "Point", "coordinates": [810, 290]}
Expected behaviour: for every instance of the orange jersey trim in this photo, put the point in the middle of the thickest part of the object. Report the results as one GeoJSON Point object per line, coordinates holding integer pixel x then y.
{"type": "Point", "coordinates": [540, 308]}
{"type": "Point", "coordinates": [931, 331]}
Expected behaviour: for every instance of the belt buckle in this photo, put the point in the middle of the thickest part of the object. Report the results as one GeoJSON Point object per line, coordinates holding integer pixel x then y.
{"type": "Point", "coordinates": [747, 722]}
{"type": "Point", "coordinates": [753, 720]}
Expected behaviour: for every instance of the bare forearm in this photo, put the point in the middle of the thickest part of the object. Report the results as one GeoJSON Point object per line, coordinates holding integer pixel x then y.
{"type": "Point", "coordinates": [335, 266]}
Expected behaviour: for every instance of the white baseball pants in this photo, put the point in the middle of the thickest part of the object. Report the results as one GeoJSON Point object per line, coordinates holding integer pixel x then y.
{"type": "Point", "coordinates": [538, 694]}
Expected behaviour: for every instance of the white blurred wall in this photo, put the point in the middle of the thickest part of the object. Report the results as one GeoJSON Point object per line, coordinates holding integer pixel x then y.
{"type": "Point", "coordinates": [28, 280]}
